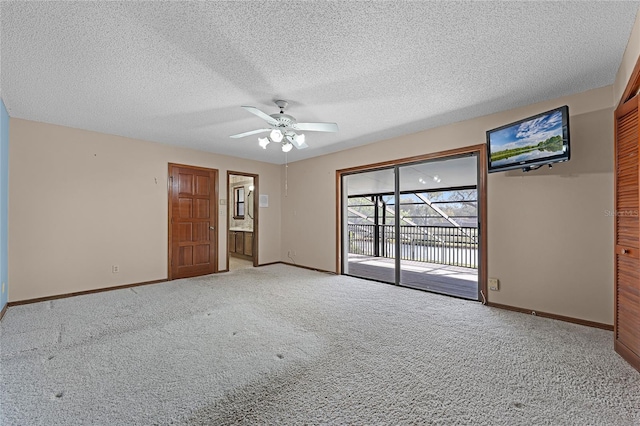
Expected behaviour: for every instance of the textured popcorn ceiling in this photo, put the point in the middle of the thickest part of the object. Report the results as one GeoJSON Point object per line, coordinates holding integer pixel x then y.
{"type": "Point", "coordinates": [177, 73]}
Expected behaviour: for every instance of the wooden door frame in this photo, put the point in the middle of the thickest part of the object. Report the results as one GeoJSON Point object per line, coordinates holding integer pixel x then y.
{"type": "Point", "coordinates": [170, 217]}
{"type": "Point", "coordinates": [256, 210]}
{"type": "Point", "coordinates": [479, 150]}
{"type": "Point", "coordinates": [633, 85]}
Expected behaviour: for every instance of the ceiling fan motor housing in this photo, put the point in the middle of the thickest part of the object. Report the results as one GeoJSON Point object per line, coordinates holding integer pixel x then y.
{"type": "Point", "coordinates": [284, 120]}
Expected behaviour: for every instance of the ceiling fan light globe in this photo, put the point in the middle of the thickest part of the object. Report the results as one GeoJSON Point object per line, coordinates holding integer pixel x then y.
{"type": "Point", "coordinates": [299, 139]}
{"type": "Point", "coordinates": [286, 147]}
{"type": "Point", "coordinates": [263, 142]}
{"type": "Point", "coordinates": [276, 135]}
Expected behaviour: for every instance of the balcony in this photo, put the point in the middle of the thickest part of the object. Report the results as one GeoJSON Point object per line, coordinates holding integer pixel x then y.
{"type": "Point", "coordinates": [445, 245]}
{"type": "Point", "coordinates": [441, 259]}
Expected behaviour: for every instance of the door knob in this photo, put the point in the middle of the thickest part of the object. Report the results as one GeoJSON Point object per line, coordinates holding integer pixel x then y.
{"type": "Point", "coordinates": [213, 228]}
{"type": "Point", "coordinates": [625, 251]}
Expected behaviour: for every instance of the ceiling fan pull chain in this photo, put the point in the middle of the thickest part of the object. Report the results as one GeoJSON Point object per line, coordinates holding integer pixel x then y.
{"type": "Point", "coordinates": [286, 174]}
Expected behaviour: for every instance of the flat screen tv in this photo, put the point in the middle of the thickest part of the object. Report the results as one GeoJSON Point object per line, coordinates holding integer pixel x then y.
{"type": "Point", "coordinates": [530, 143]}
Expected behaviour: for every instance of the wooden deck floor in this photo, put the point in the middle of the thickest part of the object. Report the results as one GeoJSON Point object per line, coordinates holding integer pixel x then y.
{"type": "Point", "coordinates": [444, 279]}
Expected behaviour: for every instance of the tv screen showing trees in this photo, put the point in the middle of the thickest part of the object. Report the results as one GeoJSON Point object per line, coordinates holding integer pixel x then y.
{"type": "Point", "coordinates": [531, 142]}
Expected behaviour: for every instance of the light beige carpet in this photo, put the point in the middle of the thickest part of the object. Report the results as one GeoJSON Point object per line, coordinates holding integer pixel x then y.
{"type": "Point", "coordinates": [283, 345]}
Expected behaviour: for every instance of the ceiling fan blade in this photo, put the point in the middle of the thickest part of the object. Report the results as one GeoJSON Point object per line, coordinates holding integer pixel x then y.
{"type": "Point", "coordinates": [298, 141]}
{"type": "Point", "coordinates": [298, 144]}
{"type": "Point", "coordinates": [266, 117]}
{"type": "Point", "coordinates": [316, 127]}
{"type": "Point", "coordinates": [252, 132]}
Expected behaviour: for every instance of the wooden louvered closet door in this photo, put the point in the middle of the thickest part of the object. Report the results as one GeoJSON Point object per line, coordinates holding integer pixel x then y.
{"type": "Point", "coordinates": [627, 233]}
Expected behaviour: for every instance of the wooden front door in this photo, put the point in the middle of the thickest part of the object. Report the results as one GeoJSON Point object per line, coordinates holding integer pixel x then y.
{"type": "Point", "coordinates": [193, 213]}
{"type": "Point", "coordinates": [627, 233]}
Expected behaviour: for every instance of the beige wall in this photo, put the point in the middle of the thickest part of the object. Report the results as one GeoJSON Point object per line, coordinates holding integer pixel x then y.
{"type": "Point", "coordinates": [550, 241]}
{"type": "Point", "coordinates": [80, 202]}
{"type": "Point", "coordinates": [628, 62]}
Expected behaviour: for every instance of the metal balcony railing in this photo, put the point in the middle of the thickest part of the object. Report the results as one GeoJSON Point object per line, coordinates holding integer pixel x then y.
{"type": "Point", "coordinates": [445, 245]}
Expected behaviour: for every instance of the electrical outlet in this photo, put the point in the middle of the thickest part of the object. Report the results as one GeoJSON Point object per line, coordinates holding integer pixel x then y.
{"type": "Point", "coordinates": [115, 269]}
{"type": "Point", "coordinates": [493, 284]}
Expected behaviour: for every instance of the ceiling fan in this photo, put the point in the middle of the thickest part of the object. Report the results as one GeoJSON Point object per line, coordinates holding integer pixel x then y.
{"type": "Point", "coordinates": [283, 128]}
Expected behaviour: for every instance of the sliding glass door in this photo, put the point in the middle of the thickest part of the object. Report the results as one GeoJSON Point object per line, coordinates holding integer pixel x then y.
{"type": "Point", "coordinates": [414, 225]}
{"type": "Point", "coordinates": [369, 226]}
{"type": "Point", "coordinates": [438, 203]}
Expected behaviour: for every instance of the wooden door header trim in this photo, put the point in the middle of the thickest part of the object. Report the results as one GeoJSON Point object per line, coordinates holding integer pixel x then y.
{"type": "Point", "coordinates": [231, 172]}
{"type": "Point", "coordinates": [418, 158]}
{"type": "Point", "coordinates": [632, 85]}
{"type": "Point", "coordinates": [625, 108]}
{"type": "Point", "coordinates": [191, 167]}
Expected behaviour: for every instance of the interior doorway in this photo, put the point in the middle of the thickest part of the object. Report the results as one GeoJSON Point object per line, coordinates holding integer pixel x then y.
{"type": "Point", "coordinates": [242, 220]}
{"type": "Point", "coordinates": [417, 223]}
